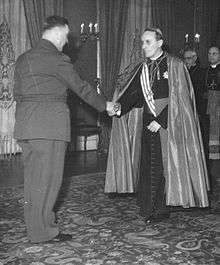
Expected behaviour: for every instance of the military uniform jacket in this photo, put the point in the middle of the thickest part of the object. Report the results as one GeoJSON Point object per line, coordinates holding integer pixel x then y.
{"type": "Point", "coordinates": [42, 77]}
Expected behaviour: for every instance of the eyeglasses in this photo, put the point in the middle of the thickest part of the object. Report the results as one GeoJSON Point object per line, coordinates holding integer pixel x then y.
{"type": "Point", "coordinates": [189, 57]}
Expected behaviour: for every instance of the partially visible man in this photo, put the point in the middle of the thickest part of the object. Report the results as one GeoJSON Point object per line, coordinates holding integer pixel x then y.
{"type": "Point", "coordinates": [172, 167]}
{"type": "Point", "coordinates": [42, 76]}
{"type": "Point", "coordinates": [213, 110]}
{"type": "Point", "coordinates": [197, 75]}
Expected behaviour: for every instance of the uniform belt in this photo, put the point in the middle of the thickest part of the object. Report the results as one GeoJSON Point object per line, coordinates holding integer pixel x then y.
{"type": "Point", "coordinates": [41, 98]}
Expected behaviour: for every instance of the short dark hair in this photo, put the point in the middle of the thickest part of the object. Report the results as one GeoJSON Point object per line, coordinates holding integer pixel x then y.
{"type": "Point", "coordinates": [214, 46]}
{"type": "Point", "coordinates": [158, 32]}
{"type": "Point", "coordinates": [54, 21]}
{"type": "Point", "coordinates": [190, 49]}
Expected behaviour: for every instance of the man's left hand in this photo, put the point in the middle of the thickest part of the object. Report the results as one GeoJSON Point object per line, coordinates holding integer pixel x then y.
{"type": "Point", "coordinates": [154, 126]}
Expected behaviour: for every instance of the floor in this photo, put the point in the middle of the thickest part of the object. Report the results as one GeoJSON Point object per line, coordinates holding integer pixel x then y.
{"type": "Point", "coordinates": [76, 163]}
{"type": "Point", "coordinates": [105, 229]}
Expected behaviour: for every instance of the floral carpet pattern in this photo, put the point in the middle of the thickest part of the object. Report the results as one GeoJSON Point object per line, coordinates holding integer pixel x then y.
{"type": "Point", "coordinates": [107, 231]}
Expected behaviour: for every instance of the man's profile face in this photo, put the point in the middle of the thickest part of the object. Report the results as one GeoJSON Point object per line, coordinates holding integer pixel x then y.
{"type": "Point", "coordinates": [61, 36]}
{"type": "Point", "coordinates": [190, 58]}
{"type": "Point", "coordinates": [150, 45]}
{"type": "Point", "coordinates": [214, 55]}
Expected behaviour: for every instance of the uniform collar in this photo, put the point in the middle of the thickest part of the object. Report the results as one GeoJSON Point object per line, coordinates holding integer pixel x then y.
{"type": "Point", "coordinates": [48, 45]}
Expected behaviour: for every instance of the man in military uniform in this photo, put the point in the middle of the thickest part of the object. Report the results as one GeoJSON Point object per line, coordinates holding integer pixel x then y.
{"type": "Point", "coordinates": [42, 76]}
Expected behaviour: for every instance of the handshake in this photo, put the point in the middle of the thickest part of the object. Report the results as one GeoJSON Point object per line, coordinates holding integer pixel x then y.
{"type": "Point", "coordinates": [113, 108]}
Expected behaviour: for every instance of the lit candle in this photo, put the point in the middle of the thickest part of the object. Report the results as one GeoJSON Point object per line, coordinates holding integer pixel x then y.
{"type": "Point", "coordinates": [197, 36]}
{"type": "Point", "coordinates": [82, 28]}
{"type": "Point", "coordinates": [96, 26]}
{"type": "Point", "coordinates": [90, 27]}
{"type": "Point", "coordinates": [187, 37]}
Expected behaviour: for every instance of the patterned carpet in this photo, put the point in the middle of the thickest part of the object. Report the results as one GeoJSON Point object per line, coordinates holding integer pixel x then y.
{"type": "Point", "coordinates": [108, 231]}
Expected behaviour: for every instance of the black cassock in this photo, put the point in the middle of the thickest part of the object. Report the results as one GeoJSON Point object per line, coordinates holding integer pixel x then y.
{"type": "Point", "coordinates": [151, 184]}
{"type": "Point", "coordinates": [197, 75]}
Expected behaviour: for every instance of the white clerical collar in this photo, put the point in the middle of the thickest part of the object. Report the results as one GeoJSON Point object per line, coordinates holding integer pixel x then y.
{"type": "Point", "coordinates": [155, 58]}
{"type": "Point", "coordinates": [214, 65]}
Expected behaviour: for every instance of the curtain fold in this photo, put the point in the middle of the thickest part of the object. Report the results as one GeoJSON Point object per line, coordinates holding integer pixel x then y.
{"type": "Point", "coordinates": [163, 17]}
{"type": "Point", "coordinates": [113, 18]}
{"type": "Point", "coordinates": [204, 16]}
{"type": "Point", "coordinates": [122, 174]}
{"type": "Point", "coordinates": [208, 25]}
{"type": "Point", "coordinates": [14, 40]}
{"type": "Point", "coordinates": [139, 18]}
{"type": "Point", "coordinates": [36, 11]}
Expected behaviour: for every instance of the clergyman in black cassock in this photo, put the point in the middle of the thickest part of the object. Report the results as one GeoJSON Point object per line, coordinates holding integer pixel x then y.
{"type": "Point", "coordinates": [213, 111]}
{"type": "Point", "coordinates": [172, 165]}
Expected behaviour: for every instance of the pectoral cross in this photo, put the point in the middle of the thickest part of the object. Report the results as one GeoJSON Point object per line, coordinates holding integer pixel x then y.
{"type": "Point", "coordinates": [212, 86]}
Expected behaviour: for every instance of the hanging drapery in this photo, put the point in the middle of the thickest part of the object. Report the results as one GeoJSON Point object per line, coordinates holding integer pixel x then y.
{"type": "Point", "coordinates": [13, 41]}
{"type": "Point", "coordinates": [7, 61]}
{"type": "Point", "coordinates": [163, 17]}
{"type": "Point", "coordinates": [113, 17]}
{"type": "Point", "coordinates": [124, 148]}
{"type": "Point", "coordinates": [36, 11]}
{"type": "Point", "coordinates": [139, 18]}
{"type": "Point", "coordinates": [207, 23]}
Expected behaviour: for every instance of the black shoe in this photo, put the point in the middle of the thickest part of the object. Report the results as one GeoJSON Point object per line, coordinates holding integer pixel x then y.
{"type": "Point", "coordinates": [61, 238]}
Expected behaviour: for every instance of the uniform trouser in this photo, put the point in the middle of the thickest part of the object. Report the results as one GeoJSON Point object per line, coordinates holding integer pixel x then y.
{"type": "Point", "coordinates": [43, 173]}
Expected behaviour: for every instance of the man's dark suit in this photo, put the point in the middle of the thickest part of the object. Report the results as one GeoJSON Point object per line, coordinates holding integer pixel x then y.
{"type": "Point", "coordinates": [42, 77]}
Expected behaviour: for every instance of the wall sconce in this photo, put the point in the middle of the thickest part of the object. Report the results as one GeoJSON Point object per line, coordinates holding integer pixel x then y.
{"type": "Point", "coordinates": [187, 38]}
{"type": "Point", "coordinates": [196, 38]}
{"type": "Point", "coordinates": [91, 33]}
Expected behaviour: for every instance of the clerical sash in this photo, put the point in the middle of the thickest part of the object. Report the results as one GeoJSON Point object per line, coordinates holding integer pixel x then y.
{"type": "Point", "coordinates": [146, 89]}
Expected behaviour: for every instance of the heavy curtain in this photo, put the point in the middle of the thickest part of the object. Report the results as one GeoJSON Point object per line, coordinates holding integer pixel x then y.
{"type": "Point", "coordinates": [163, 17]}
{"type": "Point", "coordinates": [14, 41]}
{"type": "Point", "coordinates": [124, 149]}
{"type": "Point", "coordinates": [205, 20]}
{"type": "Point", "coordinates": [113, 18]}
{"type": "Point", "coordinates": [36, 11]}
{"type": "Point", "coordinates": [208, 25]}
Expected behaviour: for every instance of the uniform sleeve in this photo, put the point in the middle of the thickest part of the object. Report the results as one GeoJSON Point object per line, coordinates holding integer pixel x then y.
{"type": "Point", "coordinates": [67, 74]}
